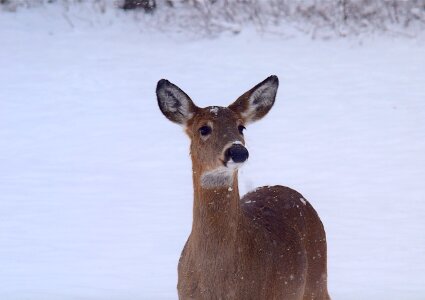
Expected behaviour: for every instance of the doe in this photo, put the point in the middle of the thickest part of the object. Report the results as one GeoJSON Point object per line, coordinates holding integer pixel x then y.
{"type": "Point", "coordinates": [271, 243]}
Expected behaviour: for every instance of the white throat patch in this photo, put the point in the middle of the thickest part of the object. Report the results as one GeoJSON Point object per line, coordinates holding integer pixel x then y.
{"type": "Point", "coordinates": [222, 176]}
{"type": "Point", "coordinates": [219, 177]}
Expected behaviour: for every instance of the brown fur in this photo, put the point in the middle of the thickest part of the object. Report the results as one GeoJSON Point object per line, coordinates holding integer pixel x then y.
{"type": "Point", "coordinates": [270, 244]}
{"type": "Point", "coordinates": [267, 245]}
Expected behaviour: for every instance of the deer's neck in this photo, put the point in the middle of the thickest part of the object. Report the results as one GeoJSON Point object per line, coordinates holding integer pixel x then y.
{"type": "Point", "coordinates": [216, 212]}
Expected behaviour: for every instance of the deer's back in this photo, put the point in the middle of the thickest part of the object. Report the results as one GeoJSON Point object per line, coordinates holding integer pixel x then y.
{"type": "Point", "coordinates": [294, 238]}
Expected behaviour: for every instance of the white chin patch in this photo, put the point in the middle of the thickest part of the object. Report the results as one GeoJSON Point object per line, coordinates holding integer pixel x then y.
{"type": "Point", "coordinates": [233, 165]}
{"type": "Point", "coordinates": [222, 176]}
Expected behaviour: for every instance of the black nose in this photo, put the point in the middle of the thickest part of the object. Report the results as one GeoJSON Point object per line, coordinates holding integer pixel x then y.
{"type": "Point", "coordinates": [237, 153]}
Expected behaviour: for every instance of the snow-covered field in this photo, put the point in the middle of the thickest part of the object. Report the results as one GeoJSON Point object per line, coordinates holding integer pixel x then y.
{"type": "Point", "coordinates": [95, 184]}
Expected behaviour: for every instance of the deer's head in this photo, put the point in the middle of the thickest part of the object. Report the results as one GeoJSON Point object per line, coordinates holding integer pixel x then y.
{"type": "Point", "coordinates": [216, 133]}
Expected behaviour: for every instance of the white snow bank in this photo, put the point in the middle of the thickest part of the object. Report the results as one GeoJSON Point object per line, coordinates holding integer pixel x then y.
{"type": "Point", "coordinates": [95, 184]}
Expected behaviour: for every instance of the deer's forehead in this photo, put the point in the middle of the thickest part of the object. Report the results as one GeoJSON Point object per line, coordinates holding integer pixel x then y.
{"type": "Point", "coordinates": [216, 114]}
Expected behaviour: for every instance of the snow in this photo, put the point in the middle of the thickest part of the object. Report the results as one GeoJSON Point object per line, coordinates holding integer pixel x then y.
{"type": "Point", "coordinates": [95, 183]}
{"type": "Point", "coordinates": [214, 110]}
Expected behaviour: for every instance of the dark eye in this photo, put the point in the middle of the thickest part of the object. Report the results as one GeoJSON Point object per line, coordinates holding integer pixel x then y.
{"type": "Point", "coordinates": [241, 128]}
{"type": "Point", "coordinates": [205, 130]}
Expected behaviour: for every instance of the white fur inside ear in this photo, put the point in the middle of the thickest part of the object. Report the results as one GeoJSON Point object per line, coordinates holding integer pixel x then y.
{"type": "Point", "coordinates": [263, 96]}
{"type": "Point", "coordinates": [174, 101]}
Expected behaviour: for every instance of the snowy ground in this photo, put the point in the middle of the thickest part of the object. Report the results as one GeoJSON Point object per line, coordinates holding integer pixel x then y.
{"type": "Point", "coordinates": [95, 184]}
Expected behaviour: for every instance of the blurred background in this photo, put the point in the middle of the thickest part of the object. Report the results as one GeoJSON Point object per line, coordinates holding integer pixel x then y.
{"type": "Point", "coordinates": [95, 184]}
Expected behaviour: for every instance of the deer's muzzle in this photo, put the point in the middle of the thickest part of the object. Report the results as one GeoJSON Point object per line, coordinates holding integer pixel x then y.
{"type": "Point", "coordinates": [237, 153]}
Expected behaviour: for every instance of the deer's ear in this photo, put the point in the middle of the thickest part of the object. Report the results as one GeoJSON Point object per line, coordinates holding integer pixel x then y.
{"type": "Point", "coordinates": [174, 103]}
{"type": "Point", "coordinates": [256, 103]}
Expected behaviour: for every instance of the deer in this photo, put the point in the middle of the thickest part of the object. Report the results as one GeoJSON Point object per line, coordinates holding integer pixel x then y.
{"type": "Point", "coordinates": [269, 244]}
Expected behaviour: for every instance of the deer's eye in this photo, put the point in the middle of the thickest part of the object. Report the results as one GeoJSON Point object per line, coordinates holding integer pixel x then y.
{"type": "Point", "coordinates": [205, 130]}
{"type": "Point", "coordinates": [241, 128]}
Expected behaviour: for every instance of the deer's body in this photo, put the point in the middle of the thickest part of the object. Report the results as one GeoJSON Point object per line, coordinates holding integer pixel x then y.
{"type": "Point", "coordinates": [268, 245]}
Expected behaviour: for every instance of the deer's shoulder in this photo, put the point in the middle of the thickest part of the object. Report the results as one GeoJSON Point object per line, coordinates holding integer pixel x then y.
{"type": "Point", "coordinates": [277, 208]}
